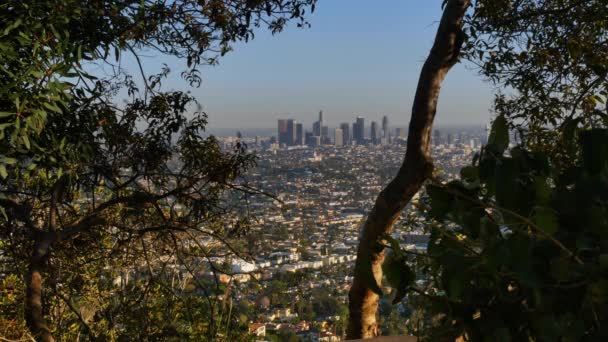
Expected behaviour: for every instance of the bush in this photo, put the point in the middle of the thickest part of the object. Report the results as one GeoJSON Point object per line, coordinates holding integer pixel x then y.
{"type": "Point", "coordinates": [519, 248]}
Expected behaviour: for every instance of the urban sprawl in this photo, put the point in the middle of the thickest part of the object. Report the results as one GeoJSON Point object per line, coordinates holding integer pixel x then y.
{"type": "Point", "coordinates": [304, 239]}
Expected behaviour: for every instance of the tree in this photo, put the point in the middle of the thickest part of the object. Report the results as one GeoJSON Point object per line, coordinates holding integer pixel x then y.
{"type": "Point", "coordinates": [518, 247]}
{"type": "Point", "coordinates": [92, 192]}
{"type": "Point", "coordinates": [549, 57]}
{"type": "Point", "coordinates": [416, 168]}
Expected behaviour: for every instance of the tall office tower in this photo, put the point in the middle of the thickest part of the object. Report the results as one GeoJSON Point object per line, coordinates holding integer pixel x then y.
{"type": "Point", "coordinates": [317, 127]}
{"type": "Point", "coordinates": [324, 131]}
{"type": "Point", "coordinates": [345, 133]}
{"type": "Point", "coordinates": [373, 133]}
{"type": "Point", "coordinates": [437, 137]}
{"type": "Point", "coordinates": [308, 138]}
{"type": "Point", "coordinates": [282, 131]}
{"type": "Point", "coordinates": [360, 135]}
{"type": "Point", "coordinates": [354, 132]}
{"type": "Point", "coordinates": [339, 137]}
{"type": "Point", "coordinates": [450, 139]}
{"type": "Point", "coordinates": [299, 134]}
{"type": "Point", "coordinates": [385, 132]}
{"type": "Point", "coordinates": [291, 132]}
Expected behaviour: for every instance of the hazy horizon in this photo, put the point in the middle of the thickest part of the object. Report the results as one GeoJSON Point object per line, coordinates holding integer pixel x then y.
{"type": "Point", "coordinates": [354, 60]}
{"type": "Point", "coordinates": [269, 131]}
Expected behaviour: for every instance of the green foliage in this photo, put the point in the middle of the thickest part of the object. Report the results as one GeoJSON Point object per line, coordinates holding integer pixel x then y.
{"type": "Point", "coordinates": [398, 273]}
{"type": "Point", "coordinates": [91, 191]}
{"type": "Point", "coordinates": [518, 247]}
{"type": "Point", "coordinates": [550, 57]}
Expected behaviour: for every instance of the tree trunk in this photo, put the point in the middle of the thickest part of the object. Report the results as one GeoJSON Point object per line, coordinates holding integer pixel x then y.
{"type": "Point", "coordinates": [416, 168]}
{"type": "Point", "coordinates": [34, 314]}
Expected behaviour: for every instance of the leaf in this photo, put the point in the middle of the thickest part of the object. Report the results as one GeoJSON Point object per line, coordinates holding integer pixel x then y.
{"type": "Point", "coordinates": [545, 219]}
{"type": "Point", "coordinates": [6, 114]}
{"type": "Point", "coordinates": [560, 269]}
{"type": "Point", "coordinates": [52, 107]}
{"type": "Point", "coordinates": [398, 274]}
{"type": "Point", "coordinates": [595, 150]}
{"type": "Point", "coordinates": [603, 259]}
{"type": "Point", "coordinates": [441, 201]}
{"type": "Point", "coordinates": [542, 190]}
{"type": "Point", "coordinates": [3, 172]}
{"type": "Point", "coordinates": [499, 136]}
{"type": "Point", "coordinates": [396, 248]}
{"type": "Point", "coordinates": [26, 141]}
{"type": "Point", "coordinates": [469, 173]}
{"type": "Point", "coordinates": [9, 161]}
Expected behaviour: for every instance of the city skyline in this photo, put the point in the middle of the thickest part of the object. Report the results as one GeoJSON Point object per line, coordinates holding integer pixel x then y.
{"type": "Point", "coordinates": [334, 66]}
{"type": "Point", "coordinates": [291, 132]}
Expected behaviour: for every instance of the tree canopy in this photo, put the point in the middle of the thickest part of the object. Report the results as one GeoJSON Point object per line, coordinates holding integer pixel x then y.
{"type": "Point", "coordinates": [110, 212]}
{"type": "Point", "coordinates": [515, 253]}
{"type": "Point", "coordinates": [549, 60]}
{"type": "Point", "coordinates": [518, 247]}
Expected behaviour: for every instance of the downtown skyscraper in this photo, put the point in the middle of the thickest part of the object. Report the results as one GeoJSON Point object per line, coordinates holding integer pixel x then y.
{"type": "Point", "coordinates": [345, 127]}
{"type": "Point", "coordinates": [359, 131]}
{"type": "Point", "coordinates": [287, 132]}
{"type": "Point", "coordinates": [373, 133]}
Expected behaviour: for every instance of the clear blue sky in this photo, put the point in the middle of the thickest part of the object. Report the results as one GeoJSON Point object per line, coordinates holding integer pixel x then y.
{"type": "Point", "coordinates": [360, 57]}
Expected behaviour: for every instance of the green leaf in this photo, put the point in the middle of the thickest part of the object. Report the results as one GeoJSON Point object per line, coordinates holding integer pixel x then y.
{"type": "Point", "coordinates": [6, 114]}
{"type": "Point", "coordinates": [542, 190]}
{"type": "Point", "coordinates": [603, 259]}
{"type": "Point", "coordinates": [9, 161]}
{"type": "Point", "coordinates": [595, 150]}
{"type": "Point", "coordinates": [560, 269]}
{"type": "Point", "coordinates": [53, 107]}
{"type": "Point", "coordinates": [398, 274]}
{"type": "Point", "coordinates": [3, 172]}
{"type": "Point", "coordinates": [499, 136]}
{"type": "Point", "coordinates": [26, 141]}
{"type": "Point", "coordinates": [545, 219]}
{"type": "Point", "coordinates": [396, 248]}
{"type": "Point", "coordinates": [441, 201]}
{"type": "Point", "coordinates": [469, 173]}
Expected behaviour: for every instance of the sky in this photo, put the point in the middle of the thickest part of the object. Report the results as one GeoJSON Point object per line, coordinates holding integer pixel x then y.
{"type": "Point", "coordinates": [359, 57]}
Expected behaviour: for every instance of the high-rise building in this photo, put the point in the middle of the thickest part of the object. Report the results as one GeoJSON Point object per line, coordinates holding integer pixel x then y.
{"type": "Point", "coordinates": [317, 127]}
{"type": "Point", "coordinates": [282, 131]}
{"type": "Point", "coordinates": [325, 137]}
{"type": "Point", "coordinates": [339, 137]}
{"type": "Point", "coordinates": [299, 134]}
{"type": "Point", "coordinates": [359, 131]}
{"type": "Point", "coordinates": [291, 132]}
{"type": "Point", "coordinates": [385, 130]}
{"type": "Point", "coordinates": [373, 134]}
{"type": "Point", "coordinates": [345, 133]}
{"type": "Point", "coordinates": [308, 138]}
